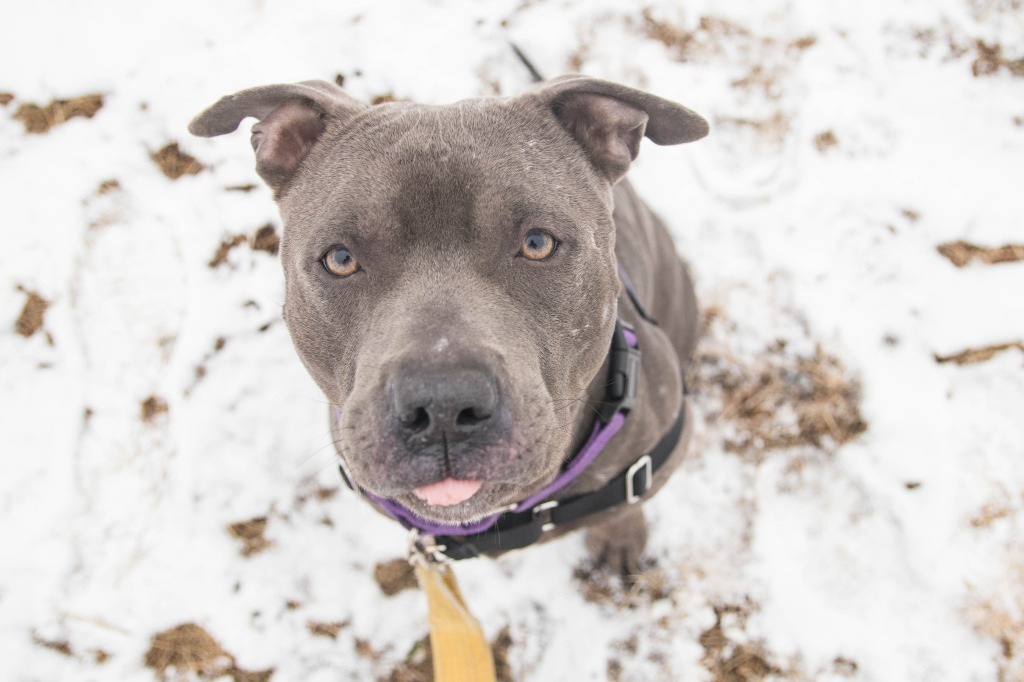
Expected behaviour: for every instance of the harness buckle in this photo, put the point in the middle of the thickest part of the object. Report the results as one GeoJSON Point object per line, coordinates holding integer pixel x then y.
{"type": "Point", "coordinates": [623, 374]}
{"type": "Point", "coordinates": [545, 509]}
{"type": "Point", "coordinates": [643, 464]}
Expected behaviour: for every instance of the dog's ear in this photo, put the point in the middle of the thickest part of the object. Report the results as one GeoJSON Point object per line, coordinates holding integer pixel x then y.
{"type": "Point", "coordinates": [291, 119]}
{"type": "Point", "coordinates": [608, 120]}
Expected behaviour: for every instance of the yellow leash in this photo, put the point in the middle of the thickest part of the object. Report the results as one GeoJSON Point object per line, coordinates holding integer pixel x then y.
{"type": "Point", "coordinates": [457, 643]}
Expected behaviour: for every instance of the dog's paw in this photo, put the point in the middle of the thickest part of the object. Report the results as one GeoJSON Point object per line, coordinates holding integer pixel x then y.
{"type": "Point", "coordinates": [619, 544]}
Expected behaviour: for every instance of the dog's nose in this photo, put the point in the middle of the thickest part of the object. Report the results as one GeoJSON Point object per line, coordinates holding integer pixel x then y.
{"type": "Point", "coordinates": [452, 403]}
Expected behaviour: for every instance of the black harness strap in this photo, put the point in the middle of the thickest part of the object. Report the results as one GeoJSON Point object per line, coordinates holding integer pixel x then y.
{"type": "Point", "coordinates": [515, 530]}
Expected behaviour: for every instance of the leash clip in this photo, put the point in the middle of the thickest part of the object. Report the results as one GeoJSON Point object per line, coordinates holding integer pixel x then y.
{"type": "Point", "coordinates": [424, 550]}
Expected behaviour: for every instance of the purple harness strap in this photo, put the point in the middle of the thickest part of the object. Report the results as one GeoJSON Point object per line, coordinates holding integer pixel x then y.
{"type": "Point", "coordinates": [599, 437]}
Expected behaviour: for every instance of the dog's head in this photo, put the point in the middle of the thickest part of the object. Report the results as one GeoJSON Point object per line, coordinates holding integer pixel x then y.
{"type": "Point", "coordinates": [450, 271]}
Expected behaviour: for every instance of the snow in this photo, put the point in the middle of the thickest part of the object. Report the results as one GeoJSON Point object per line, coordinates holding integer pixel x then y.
{"type": "Point", "coordinates": [113, 528]}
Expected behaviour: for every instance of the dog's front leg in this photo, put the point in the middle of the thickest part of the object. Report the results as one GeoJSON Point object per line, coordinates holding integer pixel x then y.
{"type": "Point", "coordinates": [619, 542]}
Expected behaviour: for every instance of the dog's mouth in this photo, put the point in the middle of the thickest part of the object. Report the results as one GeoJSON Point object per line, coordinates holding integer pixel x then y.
{"type": "Point", "coordinates": [448, 492]}
{"type": "Point", "coordinates": [453, 501]}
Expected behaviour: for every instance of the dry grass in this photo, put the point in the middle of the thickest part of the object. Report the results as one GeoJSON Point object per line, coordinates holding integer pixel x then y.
{"type": "Point", "coordinates": [771, 130]}
{"type": "Point", "coordinates": [825, 141]}
{"type": "Point", "coordinates": [152, 407]}
{"type": "Point", "coordinates": [61, 646]}
{"type": "Point", "coordinates": [266, 239]}
{"type": "Point", "coordinates": [39, 119]}
{"type": "Point", "coordinates": [32, 313]}
{"type": "Point", "coordinates": [972, 356]}
{"type": "Point", "coordinates": [999, 614]}
{"type": "Point", "coordinates": [329, 630]}
{"type": "Point", "coordinates": [960, 253]}
{"type": "Point", "coordinates": [777, 399]}
{"type": "Point", "coordinates": [418, 665]}
{"type": "Point", "coordinates": [250, 532]}
{"type": "Point", "coordinates": [188, 652]}
{"type": "Point", "coordinates": [108, 186]}
{"type": "Point", "coordinates": [729, 661]}
{"type": "Point", "coordinates": [987, 58]}
{"type": "Point", "coordinates": [187, 648]}
{"type": "Point", "coordinates": [686, 45]}
{"type": "Point", "coordinates": [600, 585]}
{"type": "Point", "coordinates": [990, 513]}
{"type": "Point", "coordinates": [990, 60]}
{"type": "Point", "coordinates": [220, 257]}
{"type": "Point", "coordinates": [175, 163]}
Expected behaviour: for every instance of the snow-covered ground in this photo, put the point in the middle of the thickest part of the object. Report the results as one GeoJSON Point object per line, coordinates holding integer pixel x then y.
{"type": "Point", "coordinates": [160, 402]}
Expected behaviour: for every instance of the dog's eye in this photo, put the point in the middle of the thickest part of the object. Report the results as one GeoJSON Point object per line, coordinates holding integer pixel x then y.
{"type": "Point", "coordinates": [340, 262]}
{"type": "Point", "coordinates": [538, 245]}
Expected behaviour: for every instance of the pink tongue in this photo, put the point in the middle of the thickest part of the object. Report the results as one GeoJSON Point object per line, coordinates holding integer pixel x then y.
{"type": "Point", "coordinates": [447, 492]}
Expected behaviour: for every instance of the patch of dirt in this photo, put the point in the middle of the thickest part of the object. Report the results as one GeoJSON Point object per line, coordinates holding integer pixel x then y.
{"type": "Point", "coordinates": [384, 99]}
{"type": "Point", "coordinates": [250, 532]}
{"type": "Point", "coordinates": [226, 245]}
{"type": "Point", "coordinates": [108, 186]}
{"type": "Point", "coordinates": [772, 129]}
{"type": "Point", "coordinates": [844, 667]}
{"type": "Point", "coordinates": [39, 119]}
{"type": "Point", "coordinates": [601, 585]}
{"type": "Point", "coordinates": [418, 665]}
{"type": "Point", "coordinates": [990, 513]}
{"type": "Point", "coordinates": [266, 239]}
{"type": "Point", "coordinates": [240, 188]}
{"type": "Point", "coordinates": [6, 98]}
{"type": "Point", "coordinates": [825, 141]}
{"type": "Point", "coordinates": [687, 45]}
{"type": "Point", "coordinates": [960, 253]}
{"type": "Point", "coordinates": [187, 652]}
{"type": "Point", "coordinates": [394, 576]}
{"type": "Point", "coordinates": [365, 649]}
{"type": "Point", "coordinates": [990, 60]}
{"type": "Point", "coordinates": [776, 399]}
{"type": "Point", "coordinates": [239, 675]}
{"type": "Point", "coordinates": [322, 629]}
{"type": "Point", "coordinates": [32, 313]}
{"type": "Point", "coordinates": [710, 37]}
{"type": "Point", "coordinates": [200, 369]}
{"type": "Point", "coordinates": [500, 645]}
{"type": "Point", "coordinates": [758, 78]}
{"type": "Point", "coordinates": [310, 490]}
{"type": "Point", "coordinates": [152, 407]}
{"type": "Point", "coordinates": [987, 58]}
{"type": "Point", "coordinates": [999, 615]}
{"type": "Point", "coordinates": [972, 356]}
{"type": "Point", "coordinates": [175, 163]}
{"type": "Point", "coordinates": [61, 646]}
{"type": "Point", "coordinates": [730, 661]}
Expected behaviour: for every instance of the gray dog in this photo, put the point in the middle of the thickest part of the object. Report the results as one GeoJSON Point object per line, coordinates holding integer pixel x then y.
{"type": "Point", "coordinates": [472, 286]}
